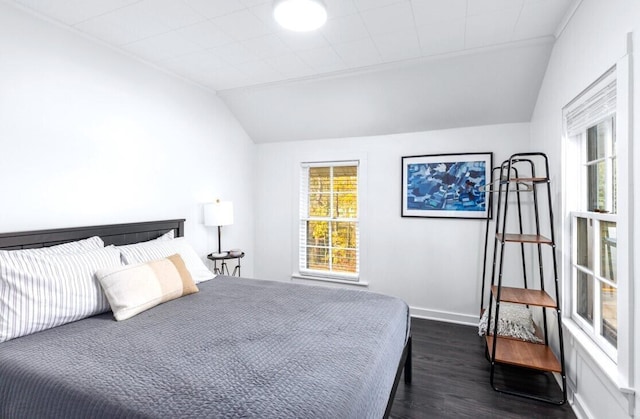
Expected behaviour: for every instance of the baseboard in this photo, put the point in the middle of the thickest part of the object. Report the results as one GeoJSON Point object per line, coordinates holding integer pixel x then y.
{"type": "Point", "coordinates": [580, 408]}
{"type": "Point", "coordinates": [444, 316]}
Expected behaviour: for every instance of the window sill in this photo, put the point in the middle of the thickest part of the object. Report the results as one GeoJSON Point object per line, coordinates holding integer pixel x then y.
{"type": "Point", "coordinates": [330, 280]}
{"type": "Point", "coordinates": [597, 355]}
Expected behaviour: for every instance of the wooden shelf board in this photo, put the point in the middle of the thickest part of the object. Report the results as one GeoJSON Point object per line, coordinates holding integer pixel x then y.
{"type": "Point", "coordinates": [524, 354]}
{"type": "Point", "coordinates": [524, 296]}
{"type": "Point", "coordinates": [524, 238]}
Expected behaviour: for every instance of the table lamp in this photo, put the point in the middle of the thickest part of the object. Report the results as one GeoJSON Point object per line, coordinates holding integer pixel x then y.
{"type": "Point", "coordinates": [219, 213]}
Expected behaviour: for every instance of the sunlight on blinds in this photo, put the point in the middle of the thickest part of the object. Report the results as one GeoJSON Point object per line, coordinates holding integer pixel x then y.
{"type": "Point", "coordinates": [329, 234]}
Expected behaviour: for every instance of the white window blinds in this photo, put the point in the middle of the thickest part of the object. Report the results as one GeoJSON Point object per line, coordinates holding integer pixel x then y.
{"type": "Point", "coordinates": [329, 234]}
{"type": "Point", "coordinates": [595, 104]}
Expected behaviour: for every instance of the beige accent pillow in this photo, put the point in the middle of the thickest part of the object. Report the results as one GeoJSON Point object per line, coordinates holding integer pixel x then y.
{"type": "Point", "coordinates": [132, 289]}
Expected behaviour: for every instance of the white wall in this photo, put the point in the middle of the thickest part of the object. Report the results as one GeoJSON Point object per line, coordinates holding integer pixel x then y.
{"type": "Point", "coordinates": [594, 40]}
{"type": "Point", "coordinates": [433, 264]}
{"type": "Point", "coordinates": [89, 136]}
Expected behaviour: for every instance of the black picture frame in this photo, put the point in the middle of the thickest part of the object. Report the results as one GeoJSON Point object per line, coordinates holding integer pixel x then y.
{"type": "Point", "coordinates": [448, 185]}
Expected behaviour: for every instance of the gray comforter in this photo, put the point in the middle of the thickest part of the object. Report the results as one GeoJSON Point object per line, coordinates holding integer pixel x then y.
{"type": "Point", "coordinates": [238, 348]}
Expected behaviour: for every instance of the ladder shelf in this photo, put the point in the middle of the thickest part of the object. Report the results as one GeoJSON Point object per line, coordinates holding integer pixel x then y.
{"type": "Point", "coordinates": [513, 351]}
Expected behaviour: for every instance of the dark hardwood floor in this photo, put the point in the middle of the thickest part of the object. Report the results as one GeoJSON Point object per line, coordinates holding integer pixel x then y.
{"type": "Point", "coordinates": [451, 379]}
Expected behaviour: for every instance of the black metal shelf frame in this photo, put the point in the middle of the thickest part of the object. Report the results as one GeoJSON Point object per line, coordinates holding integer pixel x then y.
{"type": "Point", "coordinates": [509, 181]}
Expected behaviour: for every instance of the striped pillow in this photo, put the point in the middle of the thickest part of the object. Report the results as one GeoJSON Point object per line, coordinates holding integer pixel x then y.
{"type": "Point", "coordinates": [158, 249]}
{"type": "Point", "coordinates": [79, 246]}
{"type": "Point", "coordinates": [40, 291]}
{"type": "Point", "coordinates": [133, 289]}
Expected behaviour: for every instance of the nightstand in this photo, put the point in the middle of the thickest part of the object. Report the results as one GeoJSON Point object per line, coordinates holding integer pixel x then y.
{"type": "Point", "coordinates": [223, 258]}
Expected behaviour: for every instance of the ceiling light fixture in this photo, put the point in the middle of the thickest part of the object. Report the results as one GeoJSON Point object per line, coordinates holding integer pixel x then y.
{"type": "Point", "coordinates": [300, 15]}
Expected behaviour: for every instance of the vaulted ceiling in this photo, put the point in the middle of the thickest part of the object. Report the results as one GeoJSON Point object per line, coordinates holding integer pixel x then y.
{"type": "Point", "coordinates": [376, 67]}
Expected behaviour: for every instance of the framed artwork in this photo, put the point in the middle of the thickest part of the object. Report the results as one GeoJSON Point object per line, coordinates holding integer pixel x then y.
{"type": "Point", "coordinates": [447, 185]}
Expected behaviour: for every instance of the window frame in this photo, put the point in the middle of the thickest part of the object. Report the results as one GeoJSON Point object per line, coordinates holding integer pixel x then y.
{"type": "Point", "coordinates": [578, 207]}
{"type": "Point", "coordinates": [303, 218]}
{"type": "Point", "coordinates": [618, 369]}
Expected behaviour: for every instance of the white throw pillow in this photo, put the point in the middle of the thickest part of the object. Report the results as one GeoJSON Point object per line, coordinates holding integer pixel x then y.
{"type": "Point", "coordinates": [169, 235]}
{"type": "Point", "coordinates": [40, 291]}
{"type": "Point", "coordinates": [515, 321]}
{"type": "Point", "coordinates": [132, 289]}
{"type": "Point", "coordinates": [158, 249]}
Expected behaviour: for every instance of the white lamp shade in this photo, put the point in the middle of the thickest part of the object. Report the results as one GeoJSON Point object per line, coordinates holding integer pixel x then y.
{"type": "Point", "coordinates": [218, 213]}
{"type": "Point", "coordinates": [300, 15]}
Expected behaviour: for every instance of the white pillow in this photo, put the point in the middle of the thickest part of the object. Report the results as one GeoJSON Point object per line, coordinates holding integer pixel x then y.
{"type": "Point", "coordinates": [78, 246]}
{"type": "Point", "coordinates": [515, 321]}
{"type": "Point", "coordinates": [158, 249]}
{"type": "Point", "coordinates": [132, 289]}
{"type": "Point", "coordinates": [169, 235]}
{"type": "Point", "coordinates": [39, 291]}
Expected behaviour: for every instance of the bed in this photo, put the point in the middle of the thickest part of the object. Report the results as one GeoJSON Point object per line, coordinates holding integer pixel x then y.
{"type": "Point", "coordinates": [237, 348]}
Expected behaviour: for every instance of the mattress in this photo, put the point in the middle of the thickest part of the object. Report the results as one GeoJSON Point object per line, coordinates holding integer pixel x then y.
{"type": "Point", "coordinates": [238, 348]}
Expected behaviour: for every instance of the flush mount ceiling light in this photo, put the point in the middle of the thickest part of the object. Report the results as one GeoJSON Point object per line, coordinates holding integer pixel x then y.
{"type": "Point", "coordinates": [300, 15]}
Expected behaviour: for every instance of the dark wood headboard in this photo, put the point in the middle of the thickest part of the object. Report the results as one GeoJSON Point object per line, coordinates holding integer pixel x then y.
{"type": "Point", "coordinates": [117, 234]}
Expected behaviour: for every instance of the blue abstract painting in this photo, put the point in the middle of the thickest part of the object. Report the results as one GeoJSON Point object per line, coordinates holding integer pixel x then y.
{"type": "Point", "coordinates": [446, 188]}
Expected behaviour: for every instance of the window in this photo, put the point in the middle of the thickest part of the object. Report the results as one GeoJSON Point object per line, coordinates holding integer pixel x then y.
{"type": "Point", "coordinates": [329, 225]}
{"type": "Point", "coordinates": [594, 226]}
{"type": "Point", "coordinates": [592, 163]}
